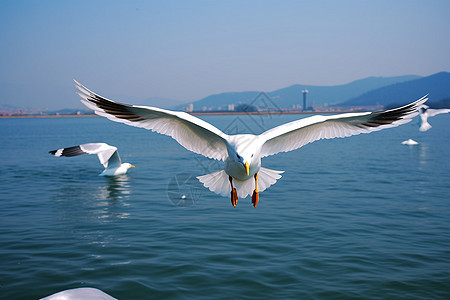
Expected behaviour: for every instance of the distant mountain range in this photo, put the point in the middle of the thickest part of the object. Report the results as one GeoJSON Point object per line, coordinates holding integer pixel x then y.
{"type": "Point", "coordinates": [317, 95]}
{"type": "Point", "coordinates": [365, 92]}
{"type": "Point", "coordinates": [437, 86]}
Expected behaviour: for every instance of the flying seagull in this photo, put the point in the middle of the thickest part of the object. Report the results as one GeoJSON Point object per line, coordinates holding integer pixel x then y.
{"type": "Point", "coordinates": [107, 154]}
{"type": "Point", "coordinates": [426, 112]}
{"type": "Point", "coordinates": [242, 153]}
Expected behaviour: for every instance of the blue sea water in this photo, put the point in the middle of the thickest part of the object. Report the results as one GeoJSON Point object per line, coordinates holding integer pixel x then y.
{"type": "Point", "coordinates": [363, 217]}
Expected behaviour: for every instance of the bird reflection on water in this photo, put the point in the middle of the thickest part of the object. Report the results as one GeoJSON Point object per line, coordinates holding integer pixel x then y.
{"type": "Point", "coordinates": [105, 197]}
{"type": "Point", "coordinates": [112, 195]}
{"type": "Point", "coordinates": [116, 187]}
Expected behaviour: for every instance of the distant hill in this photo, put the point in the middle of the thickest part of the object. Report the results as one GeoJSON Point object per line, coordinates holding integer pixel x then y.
{"type": "Point", "coordinates": [444, 103]}
{"type": "Point", "coordinates": [437, 86]}
{"type": "Point", "coordinates": [319, 95]}
{"type": "Point", "coordinates": [289, 96]}
{"type": "Point", "coordinates": [223, 99]}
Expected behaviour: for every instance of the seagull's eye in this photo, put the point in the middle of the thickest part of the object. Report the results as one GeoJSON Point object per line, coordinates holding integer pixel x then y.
{"type": "Point", "coordinates": [252, 155]}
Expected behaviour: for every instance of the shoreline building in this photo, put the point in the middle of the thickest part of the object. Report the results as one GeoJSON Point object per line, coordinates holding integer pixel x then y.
{"type": "Point", "coordinates": [305, 103]}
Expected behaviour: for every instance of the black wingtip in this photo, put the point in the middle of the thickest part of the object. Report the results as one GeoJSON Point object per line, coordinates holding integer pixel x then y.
{"type": "Point", "coordinates": [392, 115]}
{"type": "Point", "coordinates": [69, 151]}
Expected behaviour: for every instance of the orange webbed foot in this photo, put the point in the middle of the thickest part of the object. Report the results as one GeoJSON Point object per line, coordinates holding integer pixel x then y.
{"type": "Point", "coordinates": [255, 198]}
{"type": "Point", "coordinates": [234, 197]}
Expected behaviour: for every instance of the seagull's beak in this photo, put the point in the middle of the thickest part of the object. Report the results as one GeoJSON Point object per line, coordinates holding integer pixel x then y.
{"type": "Point", "coordinates": [132, 166]}
{"type": "Point", "coordinates": [247, 167]}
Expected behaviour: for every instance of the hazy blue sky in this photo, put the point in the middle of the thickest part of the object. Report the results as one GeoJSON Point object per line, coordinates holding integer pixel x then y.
{"type": "Point", "coordinates": [186, 50]}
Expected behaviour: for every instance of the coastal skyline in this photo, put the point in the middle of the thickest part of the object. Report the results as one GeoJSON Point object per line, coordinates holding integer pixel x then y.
{"type": "Point", "coordinates": [188, 50]}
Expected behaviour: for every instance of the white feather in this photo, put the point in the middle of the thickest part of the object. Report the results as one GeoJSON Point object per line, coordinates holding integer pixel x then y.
{"type": "Point", "coordinates": [107, 154]}
{"type": "Point", "coordinates": [218, 182]}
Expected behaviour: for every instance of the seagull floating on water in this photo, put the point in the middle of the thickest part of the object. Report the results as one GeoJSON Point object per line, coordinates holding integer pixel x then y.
{"type": "Point", "coordinates": [107, 154]}
{"type": "Point", "coordinates": [426, 112]}
{"type": "Point", "coordinates": [410, 142]}
{"type": "Point", "coordinates": [242, 153]}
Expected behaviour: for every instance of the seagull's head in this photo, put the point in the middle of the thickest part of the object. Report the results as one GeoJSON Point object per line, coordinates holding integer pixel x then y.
{"type": "Point", "coordinates": [128, 166]}
{"type": "Point", "coordinates": [245, 152]}
{"type": "Point", "coordinates": [245, 162]}
{"type": "Point", "coordinates": [423, 108]}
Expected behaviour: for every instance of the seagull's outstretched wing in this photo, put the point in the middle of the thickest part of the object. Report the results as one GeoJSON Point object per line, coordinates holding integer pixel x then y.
{"type": "Point", "coordinates": [80, 293]}
{"type": "Point", "coordinates": [293, 135]}
{"type": "Point", "coordinates": [192, 133]}
{"type": "Point", "coordinates": [107, 154]}
{"type": "Point", "coordinates": [433, 112]}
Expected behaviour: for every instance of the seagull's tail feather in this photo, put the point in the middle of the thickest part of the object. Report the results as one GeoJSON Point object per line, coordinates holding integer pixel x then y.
{"type": "Point", "coordinates": [218, 182]}
{"type": "Point", "coordinates": [267, 177]}
{"type": "Point", "coordinates": [424, 126]}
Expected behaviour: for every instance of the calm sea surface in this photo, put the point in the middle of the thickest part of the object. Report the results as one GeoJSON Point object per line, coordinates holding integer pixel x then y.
{"type": "Point", "coordinates": [361, 217]}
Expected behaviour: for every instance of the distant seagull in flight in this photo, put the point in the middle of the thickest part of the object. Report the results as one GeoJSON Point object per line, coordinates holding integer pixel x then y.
{"type": "Point", "coordinates": [242, 153]}
{"type": "Point", "coordinates": [426, 112]}
{"type": "Point", "coordinates": [108, 156]}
